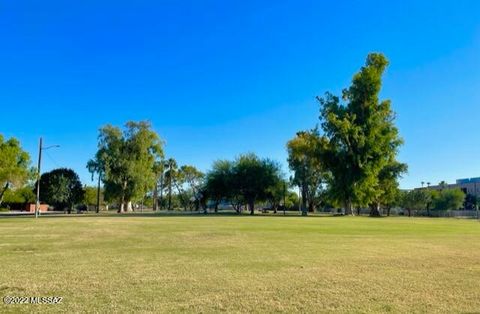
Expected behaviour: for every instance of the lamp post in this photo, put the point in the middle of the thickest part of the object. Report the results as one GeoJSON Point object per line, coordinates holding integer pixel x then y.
{"type": "Point", "coordinates": [40, 149]}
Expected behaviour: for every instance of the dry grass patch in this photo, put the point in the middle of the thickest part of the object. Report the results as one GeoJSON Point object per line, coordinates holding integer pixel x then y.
{"type": "Point", "coordinates": [242, 264]}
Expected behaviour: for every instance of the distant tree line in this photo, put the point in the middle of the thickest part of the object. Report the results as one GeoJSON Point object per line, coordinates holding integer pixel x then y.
{"type": "Point", "coordinates": [428, 199]}
{"type": "Point", "coordinates": [348, 160]}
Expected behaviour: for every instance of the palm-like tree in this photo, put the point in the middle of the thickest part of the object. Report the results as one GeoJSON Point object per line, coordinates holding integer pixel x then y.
{"type": "Point", "coordinates": [171, 165]}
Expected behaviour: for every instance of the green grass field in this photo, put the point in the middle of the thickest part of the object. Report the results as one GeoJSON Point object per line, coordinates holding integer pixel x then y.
{"type": "Point", "coordinates": [241, 264]}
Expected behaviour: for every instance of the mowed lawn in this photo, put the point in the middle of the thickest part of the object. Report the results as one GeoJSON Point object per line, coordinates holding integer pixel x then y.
{"type": "Point", "coordinates": [241, 264]}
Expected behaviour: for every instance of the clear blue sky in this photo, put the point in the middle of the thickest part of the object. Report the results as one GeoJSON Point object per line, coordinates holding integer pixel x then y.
{"type": "Point", "coordinates": [218, 78]}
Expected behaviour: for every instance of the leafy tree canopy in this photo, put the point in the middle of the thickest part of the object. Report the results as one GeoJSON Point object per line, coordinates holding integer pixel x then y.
{"type": "Point", "coordinates": [449, 199]}
{"type": "Point", "coordinates": [417, 199]}
{"type": "Point", "coordinates": [246, 180]}
{"type": "Point", "coordinates": [126, 160]}
{"type": "Point", "coordinates": [61, 188]}
{"type": "Point", "coordinates": [14, 165]}
{"type": "Point", "coordinates": [309, 170]}
{"type": "Point", "coordinates": [362, 137]}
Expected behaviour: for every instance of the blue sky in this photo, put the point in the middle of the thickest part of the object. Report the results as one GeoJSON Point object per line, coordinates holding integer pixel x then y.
{"type": "Point", "coordinates": [218, 78]}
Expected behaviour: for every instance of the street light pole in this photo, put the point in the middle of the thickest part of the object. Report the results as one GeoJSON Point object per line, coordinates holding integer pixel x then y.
{"type": "Point", "coordinates": [37, 203]}
{"type": "Point", "coordinates": [40, 149]}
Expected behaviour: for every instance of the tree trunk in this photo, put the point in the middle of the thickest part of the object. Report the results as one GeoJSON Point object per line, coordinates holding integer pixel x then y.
{"type": "Point", "coordinates": [251, 206]}
{"type": "Point", "coordinates": [122, 200]}
{"type": "Point", "coordinates": [375, 210]}
{"type": "Point", "coordinates": [122, 203]}
{"type": "Point", "coordinates": [161, 192]}
{"type": "Point", "coordinates": [304, 201]}
{"type": "Point", "coordinates": [170, 195]}
{"type": "Point", "coordinates": [409, 212]}
{"type": "Point", "coordinates": [311, 207]}
{"type": "Point", "coordinates": [348, 208]}
{"type": "Point", "coordinates": [155, 197]}
{"type": "Point", "coordinates": [216, 207]}
{"type": "Point", "coordinates": [388, 211]}
{"type": "Point", "coordinates": [2, 193]}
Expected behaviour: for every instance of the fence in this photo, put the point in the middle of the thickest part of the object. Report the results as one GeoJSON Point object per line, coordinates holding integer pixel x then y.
{"type": "Point", "coordinates": [448, 213]}
{"type": "Point", "coordinates": [419, 213]}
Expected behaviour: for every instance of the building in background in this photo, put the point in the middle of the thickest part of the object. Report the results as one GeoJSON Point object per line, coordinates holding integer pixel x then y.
{"type": "Point", "coordinates": [468, 186]}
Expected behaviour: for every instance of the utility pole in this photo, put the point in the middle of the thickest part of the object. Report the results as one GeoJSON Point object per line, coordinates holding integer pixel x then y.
{"type": "Point", "coordinates": [37, 203]}
{"type": "Point", "coordinates": [40, 149]}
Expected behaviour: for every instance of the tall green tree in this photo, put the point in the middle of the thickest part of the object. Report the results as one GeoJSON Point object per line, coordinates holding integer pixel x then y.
{"type": "Point", "coordinates": [189, 184]}
{"type": "Point", "coordinates": [14, 165]}
{"type": "Point", "coordinates": [388, 187]}
{"type": "Point", "coordinates": [90, 197]}
{"type": "Point", "coordinates": [61, 188]}
{"type": "Point", "coordinates": [277, 194]}
{"type": "Point", "coordinates": [171, 175]}
{"type": "Point", "coordinates": [362, 137]}
{"type": "Point", "coordinates": [126, 160]}
{"type": "Point", "coordinates": [246, 180]}
{"type": "Point", "coordinates": [218, 185]}
{"type": "Point", "coordinates": [449, 199]}
{"type": "Point", "coordinates": [309, 172]}
{"type": "Point", "coordinates": [415, 200]}
{"type": "Point", "coordinates": [23, 195]}
{"type": "Point", "coordinates": [159, 171]}
{"type": "Point", "coordinates": [253, 177]}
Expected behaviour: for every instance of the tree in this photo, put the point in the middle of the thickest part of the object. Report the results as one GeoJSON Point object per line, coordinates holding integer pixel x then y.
{"type": "Point", "coordinates": [23, 195]}
{"type": "Point", "coordinates": [126, 160]}
{"type": "Point", "coordinates": [61, 188]}
{"type": "Point", "coordinates": [291, 200]}
{"type": "Point", "coordinates": [90, 198]}
{"type": "Point", "coordinates": [415, 200]}
{"type": "Point", "coordinates": [277, 194]}
{"type": "Point", "coordinates": [443, 185]}
{"type": "Point", "coordinates": [189, 185]}
{"type": "Point", "coordinates": [362, 137]}
{"type": "Point", "coordinates": [432, 196]}
{"type": "Point", "coordinates": [246, 180]}
{"type": "Point", "coordinates": [471, 202]}
{"type": "Point", "coordinates": [388, 187]}
{"type": "Point", "coordinates": [253, 177]}
{"type": "Point", "coordinates": [217, 182]}
{"type": "Point", "coordinates": [309, 170]}
{"type": "Point", "coordinates": [159, 171]}
{"type": "Point", "coordinates": [14, 165]}
{"type": "Point", "coordinates": [170, 176]}
{"type": "Point", "coordinates": [449, 199]}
